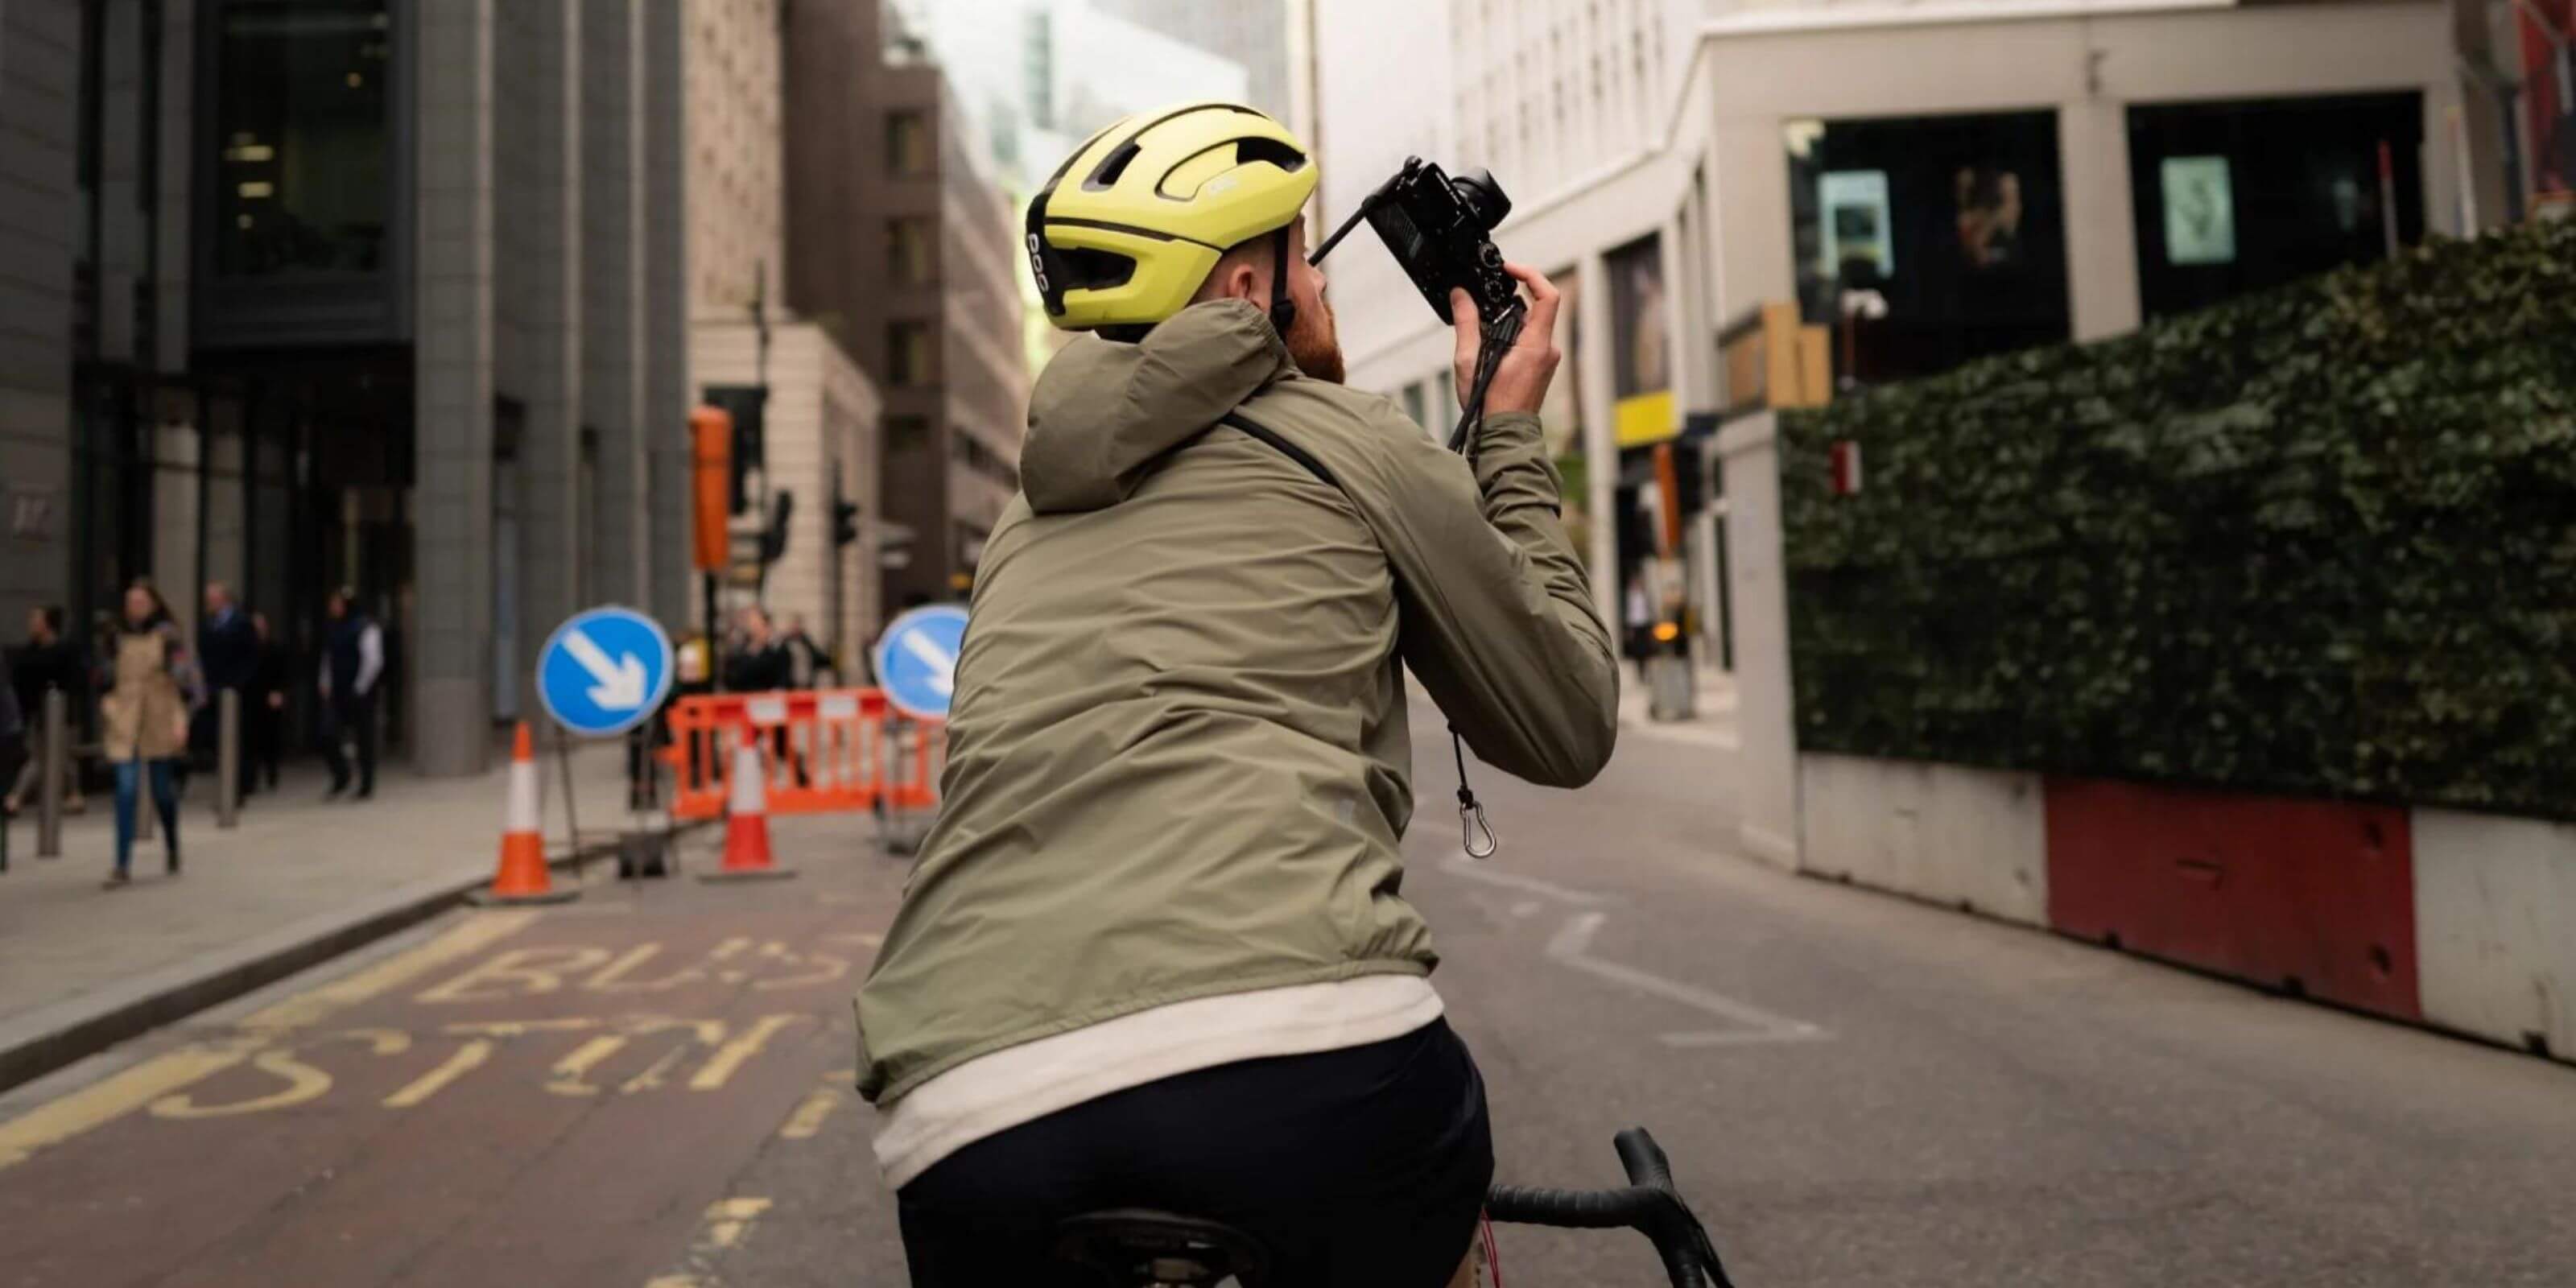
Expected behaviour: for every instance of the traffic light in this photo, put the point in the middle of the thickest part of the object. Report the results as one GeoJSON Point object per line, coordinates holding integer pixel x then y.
{"type": "Point", "coordinates": [748, 405]}
{"type": "Point", "coordinates": [773, 539]}
{"type": "Point", "coordinates": [845, 522]}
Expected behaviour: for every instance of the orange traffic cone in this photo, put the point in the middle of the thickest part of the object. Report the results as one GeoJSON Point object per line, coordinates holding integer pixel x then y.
{"type": "Point", "coordinates": [523, 876]}
{"type": "Point", "coordinates": [746, 853]}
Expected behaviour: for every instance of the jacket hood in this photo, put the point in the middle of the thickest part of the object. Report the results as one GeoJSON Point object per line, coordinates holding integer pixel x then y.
{"type": "Point", "coordinates": [1102, 411]}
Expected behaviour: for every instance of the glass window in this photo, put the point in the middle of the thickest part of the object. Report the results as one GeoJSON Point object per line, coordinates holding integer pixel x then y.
{"type": "Point", "coordinates": [2236, 197]}
{"type": "Point", "coordinates": [912, 251]}
{"type": "Point", "coordinates": [1413, 402]}
{"type": "Point", "coordinates": [301, 169]}
{"type": "Point", "coordinates": [1955, 224]}
{"type": "Point", "coordinates": [911, 358]}
{"type": "Point", "coordinates": [908, 150]}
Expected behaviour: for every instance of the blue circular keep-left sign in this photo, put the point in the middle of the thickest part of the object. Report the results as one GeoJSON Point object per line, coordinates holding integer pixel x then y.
{"type": "Point", "coordinates": [917, 660]}
{"type": "Point", "coordinates": [604, 671]}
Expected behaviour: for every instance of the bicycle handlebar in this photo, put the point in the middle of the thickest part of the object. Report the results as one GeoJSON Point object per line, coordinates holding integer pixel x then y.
{"type": "Point", "coordinates": [1649, 1205]}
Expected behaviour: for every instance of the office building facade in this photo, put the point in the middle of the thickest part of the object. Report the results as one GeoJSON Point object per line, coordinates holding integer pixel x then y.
{"type": "Point", "coordinates": [375, 293]}
{"type": "Point", "coordinates": [1994, 176]}
{"type": "Point", "coordinates": [901, 244]}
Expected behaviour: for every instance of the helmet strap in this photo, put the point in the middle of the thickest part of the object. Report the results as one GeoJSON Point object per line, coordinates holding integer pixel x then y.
{"type": "Point", "coordinates": [1283, 310]}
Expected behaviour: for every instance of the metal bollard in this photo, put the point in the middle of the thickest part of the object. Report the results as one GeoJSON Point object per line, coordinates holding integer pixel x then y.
{"type": "Point", "coordinates": [228, 758]}
{"type": "Point", "coordinates": [49, 780]}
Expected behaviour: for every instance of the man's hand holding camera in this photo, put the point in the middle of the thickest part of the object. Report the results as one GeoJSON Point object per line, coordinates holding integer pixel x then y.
{"type": "Point", "coordinates": [1520, 381]}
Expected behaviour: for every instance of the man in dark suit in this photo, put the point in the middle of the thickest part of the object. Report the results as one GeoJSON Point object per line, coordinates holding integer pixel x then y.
{"type": "Point", "coordinates": [228, 654]}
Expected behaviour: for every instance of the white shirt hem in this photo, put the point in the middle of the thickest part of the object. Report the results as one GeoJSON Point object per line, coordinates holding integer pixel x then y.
{"type": "Point", "coordinates": [993, 1093]}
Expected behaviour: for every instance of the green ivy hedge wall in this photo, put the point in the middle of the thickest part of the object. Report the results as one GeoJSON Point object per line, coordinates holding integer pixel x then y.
{"type": "Point", "coordinates": [2320, 541]}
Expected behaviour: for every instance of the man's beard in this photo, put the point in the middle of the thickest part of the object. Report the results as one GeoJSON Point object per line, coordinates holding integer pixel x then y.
{"type": "Point", "coordinates": [1314, 347]}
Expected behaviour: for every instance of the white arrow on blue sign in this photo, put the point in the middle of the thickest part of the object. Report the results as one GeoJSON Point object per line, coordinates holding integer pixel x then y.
{"type": "Point", "coordinates": [917, 660]}
{"type": "Point", "coordinates": [604, 671]}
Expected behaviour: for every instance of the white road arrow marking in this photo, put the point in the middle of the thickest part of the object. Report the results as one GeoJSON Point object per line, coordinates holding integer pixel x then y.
{"type": "Point", "coordinates": [621, 686]}
{"type": "Point", "coordinates": [942, 664]}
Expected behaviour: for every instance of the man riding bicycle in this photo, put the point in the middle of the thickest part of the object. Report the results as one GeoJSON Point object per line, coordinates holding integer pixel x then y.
{"type": "Point", "coordinates": [1154, 953]}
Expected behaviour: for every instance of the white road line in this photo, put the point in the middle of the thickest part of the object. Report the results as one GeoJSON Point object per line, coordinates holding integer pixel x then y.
{"type": "Point", "coordinates": [1572, 947]}
{"type": "Point", "coordinates": [1491, 875]}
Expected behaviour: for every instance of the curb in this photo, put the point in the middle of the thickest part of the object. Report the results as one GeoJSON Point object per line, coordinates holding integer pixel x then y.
{"type": "Point", "coordinates": [51, 1037]}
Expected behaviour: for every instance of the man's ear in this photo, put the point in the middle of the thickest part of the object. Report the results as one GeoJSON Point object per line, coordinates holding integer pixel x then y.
{"type": "Point", "coordinates": [1239, 281]}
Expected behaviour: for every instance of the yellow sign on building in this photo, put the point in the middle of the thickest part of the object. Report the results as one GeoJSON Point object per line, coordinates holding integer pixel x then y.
{"type": "Point", "coordinates": [1642, 419]}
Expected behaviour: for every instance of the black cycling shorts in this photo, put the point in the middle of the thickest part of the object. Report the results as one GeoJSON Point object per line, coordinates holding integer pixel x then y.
{"type": "Point", "coordinates": [1364, 1166]}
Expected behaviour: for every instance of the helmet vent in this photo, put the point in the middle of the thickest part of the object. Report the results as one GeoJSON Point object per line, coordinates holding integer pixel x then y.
{"type": "Point", "coordinates": [1112, 166]}
{"type": "Point", "coordinates": [1255, 148]}
{"type": "Point", "coordinates": [1095, 270]}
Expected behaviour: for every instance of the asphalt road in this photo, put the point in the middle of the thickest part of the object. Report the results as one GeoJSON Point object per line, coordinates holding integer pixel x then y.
{"type": "Point", "coordinates": [649, 1088]}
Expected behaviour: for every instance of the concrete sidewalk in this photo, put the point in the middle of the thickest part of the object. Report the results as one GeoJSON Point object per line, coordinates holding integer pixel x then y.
{"type": "Point", "coordinates": [299, 880]}
{"type": "Point", "coordinates": [1713, 724]}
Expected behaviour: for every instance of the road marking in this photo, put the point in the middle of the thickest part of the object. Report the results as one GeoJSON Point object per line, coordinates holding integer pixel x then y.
{"type": "Point", "coordinates": [304, 1010]}
{"type": "Point", "coordinates": [467, 1059]}
{"type": "Point", "coordinates": [1490, 875]}
{"type": "Point", "coordinates": [303, 1081]}
{"type": "Point", "coordinates": [727, 1222]}
{"type": "Point", "coordinates": [129, 1090]}
{"type": "Point", "coordinates": [809, 1116]}
{"type": "Point", "coordinates": [729, 1219]}
{"type": "Point", "coordinates": [568, 1072]}
{"type": "Point", "coordinates": [1572, 946]}
{"type": "Point", "coordinates": [111, 1098]}
{"type": "Point", "coordinates": [654, 1075]}
{"type": "Point", "coordinates": [730, 1056]}
{"type": "Point", "coordinates": [533, 970]}
{"type": "Point", "coordinates": [612, 978]}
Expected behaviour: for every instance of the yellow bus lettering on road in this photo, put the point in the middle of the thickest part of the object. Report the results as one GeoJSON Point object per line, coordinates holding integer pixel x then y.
{"type": "Point", "coordinates": [520, 972]}
{"type": "Point", "coordinates": [729, 1057]}
{"type": "Point", "coordinates": [105, 1101]}
{"type": "Point", "coordinates": [304, 1082]}
{"type": "Point", "coordinates": [570, 1070]}
{"type": "Point", "coordinates": [467, 1059]}
{"type": "Point", "coordinates": [612, 977]}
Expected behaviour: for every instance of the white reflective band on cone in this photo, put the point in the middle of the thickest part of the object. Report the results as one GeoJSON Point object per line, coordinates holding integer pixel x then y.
{"type": "Point", "coordinates": [750, 793]}
{"type": "Point", "coordinates": [524, 812]}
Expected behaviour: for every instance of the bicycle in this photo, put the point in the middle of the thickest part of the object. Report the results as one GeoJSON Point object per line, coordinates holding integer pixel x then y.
{"type": "Point", "coordinates": [1140, 1249]}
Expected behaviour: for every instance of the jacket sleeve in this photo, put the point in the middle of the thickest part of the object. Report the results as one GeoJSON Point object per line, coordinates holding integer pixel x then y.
{"type": "Point", "coordinates": [1498, 619]}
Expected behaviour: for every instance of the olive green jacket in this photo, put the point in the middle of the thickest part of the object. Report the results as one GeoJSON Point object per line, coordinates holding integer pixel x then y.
{"type": "Point", "coordinates": [1178, 764]}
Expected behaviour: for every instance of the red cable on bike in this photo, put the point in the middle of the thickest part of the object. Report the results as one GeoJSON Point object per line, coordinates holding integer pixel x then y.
{"type": "Point", "coordinates": [1493, 1254]}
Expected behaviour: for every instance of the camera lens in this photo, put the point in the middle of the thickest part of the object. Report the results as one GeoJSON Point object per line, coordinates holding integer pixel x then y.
{"type": "Point", "coordinates": [1482, 196]}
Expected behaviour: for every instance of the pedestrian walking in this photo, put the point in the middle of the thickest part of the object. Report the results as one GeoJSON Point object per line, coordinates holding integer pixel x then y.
{"type": "Point", "coordinates": [46, 662]}
{"type": "Point", "coordinates": [265, 712]}
{"type": "Point", "coordinates": [353, 660]}
{"type": "Point", "coordinates": [228, 654]}
{"type": "Point", "coordinates": [152, 688]}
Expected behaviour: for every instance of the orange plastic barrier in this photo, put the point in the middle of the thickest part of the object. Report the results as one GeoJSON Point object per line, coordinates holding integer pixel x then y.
{"type": "Point", "coordinates": [822, 751]}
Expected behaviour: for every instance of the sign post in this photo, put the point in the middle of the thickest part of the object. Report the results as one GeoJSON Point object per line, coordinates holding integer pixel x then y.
{"type": "Point", "coordinates": [605, 671]}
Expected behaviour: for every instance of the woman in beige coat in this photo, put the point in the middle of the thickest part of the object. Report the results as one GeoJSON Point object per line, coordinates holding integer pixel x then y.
{"type": "Point", "coordinates": [152, 688]}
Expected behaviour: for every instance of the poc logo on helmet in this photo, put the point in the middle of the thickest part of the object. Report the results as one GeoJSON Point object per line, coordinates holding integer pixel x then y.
{"type": "Point", "coordinates": [1037, 263]}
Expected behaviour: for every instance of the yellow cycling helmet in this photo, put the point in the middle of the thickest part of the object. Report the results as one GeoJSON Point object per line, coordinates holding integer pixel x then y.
{"type": "Point", "coordinates": [1127, 228]}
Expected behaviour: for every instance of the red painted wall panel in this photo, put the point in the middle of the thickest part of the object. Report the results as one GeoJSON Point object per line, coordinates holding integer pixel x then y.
{"type": "Point", "coordinates": [2315, 895]}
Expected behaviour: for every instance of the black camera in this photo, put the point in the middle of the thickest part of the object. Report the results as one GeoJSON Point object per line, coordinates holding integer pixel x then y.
{"type": "Point", "coordinates": [1439, 228]}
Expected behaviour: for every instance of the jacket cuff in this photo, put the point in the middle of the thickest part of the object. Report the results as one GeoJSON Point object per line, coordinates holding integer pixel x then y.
{"type": "Point", "coordinates": [1509, 429]}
